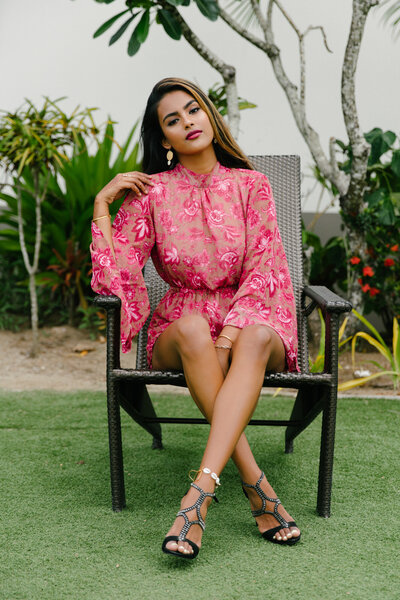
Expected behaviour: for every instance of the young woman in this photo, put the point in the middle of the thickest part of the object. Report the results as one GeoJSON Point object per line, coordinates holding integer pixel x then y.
{"type": "Point", "coordinates": [208, 221]}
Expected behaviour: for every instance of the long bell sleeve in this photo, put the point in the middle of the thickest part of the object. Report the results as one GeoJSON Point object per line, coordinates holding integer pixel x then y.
{"type": "Point", "coordinates": [133, 239]}
{"type": "Point", "coordinates": [265, 294]}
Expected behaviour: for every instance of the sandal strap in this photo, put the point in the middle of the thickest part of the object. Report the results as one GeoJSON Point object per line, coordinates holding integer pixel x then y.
{"type": "Point", "coordinates": [196, 506]}
{"type": "Point", "coordinates": [264, 498]}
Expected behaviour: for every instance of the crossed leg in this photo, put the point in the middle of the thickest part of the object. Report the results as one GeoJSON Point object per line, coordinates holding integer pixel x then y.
{"type": "Point", "coordinates": [227, 402]}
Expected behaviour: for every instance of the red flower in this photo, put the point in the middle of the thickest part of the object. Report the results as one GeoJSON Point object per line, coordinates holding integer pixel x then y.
{"type": "Point", "coordinates": [368, 272]}
{"type": "Point", "coordinates": [373, 292]}
{"type": "Point", "coordinates": [355, 260]}
{"type": "Point", "coordinates": [394, 248]}
{"type": "Point", "coordinates": [366, 287]}
{"type": "Point", "coordinates": [389, 262]}
{"type": "Point", "coordinates": [359, 280]}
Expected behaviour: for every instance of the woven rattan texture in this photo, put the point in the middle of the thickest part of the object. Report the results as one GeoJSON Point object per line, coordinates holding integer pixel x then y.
{"type": "Point", "coordinates": [284, 175]}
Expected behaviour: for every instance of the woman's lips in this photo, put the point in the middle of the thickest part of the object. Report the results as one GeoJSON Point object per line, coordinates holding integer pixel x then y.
{"type": "Point", "coordinates": [193, 134]}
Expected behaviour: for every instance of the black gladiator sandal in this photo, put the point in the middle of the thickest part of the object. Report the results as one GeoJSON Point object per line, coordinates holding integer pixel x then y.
{"type": "Point", "coordinates": [269, 534]}
{"type": "Point", "coordinates": [187, 525]}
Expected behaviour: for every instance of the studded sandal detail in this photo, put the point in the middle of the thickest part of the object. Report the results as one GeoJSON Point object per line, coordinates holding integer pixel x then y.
{"type": "Point", "coordinates": [187, 525]}
{"type": "Point", "coordinates": [269, 534]}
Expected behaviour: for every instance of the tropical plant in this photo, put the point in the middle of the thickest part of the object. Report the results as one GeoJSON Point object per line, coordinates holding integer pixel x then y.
{"type": "Point", "coordinates": [14, 305]}
{"type": "Point", "coordinates": [217, 95]}
{"type": "Point", "coordinates": [324, 264]}
{"type": "Point", "coordinates": [37, 139]}
{"type": "Point", "coordinates": [68, 205]}
{"type": "Point", "coordinates": [93, 320]}
{"type": "Point", "coordinates": [392, 15]}
{"type": "Point", "coordinates": [375, 266]}
{"type": "Point", "coordinates": [317, 365]}
{"type": "Point", "coordinates": [69, 274]}
{"type": "Point", "coordinates": [376, 340]}
{"type": "Point", "coordinates": [142, 14]}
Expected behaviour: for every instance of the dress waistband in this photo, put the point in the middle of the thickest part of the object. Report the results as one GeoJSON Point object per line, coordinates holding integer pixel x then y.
{"type": "Point", "coordinates": [175, 288]}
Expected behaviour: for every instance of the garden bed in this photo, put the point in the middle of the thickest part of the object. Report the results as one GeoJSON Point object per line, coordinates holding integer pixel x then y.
{"type": "Point", "coordinates": [70, 360]}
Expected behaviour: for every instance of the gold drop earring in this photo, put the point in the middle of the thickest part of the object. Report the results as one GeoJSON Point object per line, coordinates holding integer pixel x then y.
{"type": "Point", "coordinates": [170, 156]}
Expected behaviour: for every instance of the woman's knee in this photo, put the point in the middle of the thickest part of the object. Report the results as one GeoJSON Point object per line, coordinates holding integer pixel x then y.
{"type": "Point", "coordinates": [192, 333]}
{"type": "Point", "coordinates": [256, 340]}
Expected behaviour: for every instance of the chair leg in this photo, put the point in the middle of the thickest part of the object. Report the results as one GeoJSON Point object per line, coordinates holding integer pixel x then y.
{"type": "Point", "coordinates": [327, 453]}
{"type": "Point", "coordinates": [115, 443]}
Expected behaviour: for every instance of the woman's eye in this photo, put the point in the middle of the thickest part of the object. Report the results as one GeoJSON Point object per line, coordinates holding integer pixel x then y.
{"type": "Point", "coordinates": [194, 109]}
{"type": "Point", "coordinates": [172, 122]}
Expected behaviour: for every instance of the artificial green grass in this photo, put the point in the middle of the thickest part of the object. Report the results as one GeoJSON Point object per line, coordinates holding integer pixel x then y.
{"type": "Point", "coordinates": [60, 539]}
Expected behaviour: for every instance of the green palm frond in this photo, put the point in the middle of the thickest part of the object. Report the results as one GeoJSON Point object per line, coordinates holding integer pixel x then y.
{"type": "Point", "coordinates": [391, 16]}
{"type": "Point", "coordinates": [242, 11]}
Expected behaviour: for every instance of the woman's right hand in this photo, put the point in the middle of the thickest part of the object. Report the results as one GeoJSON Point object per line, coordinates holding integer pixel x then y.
{"type": "Point", "coordinates": [114, 190]}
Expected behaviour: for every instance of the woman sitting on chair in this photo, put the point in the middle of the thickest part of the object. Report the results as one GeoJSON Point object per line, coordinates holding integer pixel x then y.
{"type": "Point", "coordinates": [208, 221]}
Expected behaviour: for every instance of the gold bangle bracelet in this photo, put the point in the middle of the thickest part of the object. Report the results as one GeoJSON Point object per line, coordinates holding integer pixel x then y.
{"type": "Point", "coordinates": [225, 336]}
{"type": "Point", "coordinates": [103, 217]}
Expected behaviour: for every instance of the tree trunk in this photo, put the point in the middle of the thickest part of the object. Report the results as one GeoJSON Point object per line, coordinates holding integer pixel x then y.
{"type": "Point", "coordinates": [34, 316]}
{"type": "Point", "coordinates": [32, 268]}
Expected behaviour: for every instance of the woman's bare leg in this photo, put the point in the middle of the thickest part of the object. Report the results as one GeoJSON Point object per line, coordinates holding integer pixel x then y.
{"type": "Point", "coordinates": [187, 344]}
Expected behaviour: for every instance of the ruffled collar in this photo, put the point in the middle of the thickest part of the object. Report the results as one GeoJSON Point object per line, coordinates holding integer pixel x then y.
{"type": "Point", "coordinates": [201, 180]}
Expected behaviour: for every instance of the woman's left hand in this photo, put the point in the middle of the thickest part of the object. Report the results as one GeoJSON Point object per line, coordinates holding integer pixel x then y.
{"type": "Point", "coordinates": [224, 354]}
{"type": "Point", "coordinates": [223, 359]}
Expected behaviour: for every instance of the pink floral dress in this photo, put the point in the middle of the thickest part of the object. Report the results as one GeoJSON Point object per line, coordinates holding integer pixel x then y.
{"type": "Point", "coordinates": [214, 239]}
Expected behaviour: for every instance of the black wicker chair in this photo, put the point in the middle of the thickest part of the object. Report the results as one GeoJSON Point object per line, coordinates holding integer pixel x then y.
{"type": "Point", "coordinates": [316, 391]}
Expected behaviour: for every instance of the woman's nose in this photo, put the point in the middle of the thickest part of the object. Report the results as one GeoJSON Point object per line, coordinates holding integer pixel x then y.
{"type": "Point", "coordinates": [188, 122]}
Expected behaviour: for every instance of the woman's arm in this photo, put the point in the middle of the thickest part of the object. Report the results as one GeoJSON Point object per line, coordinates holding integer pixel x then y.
{"type": "Point", "coordinates": [137, 182]}
{"type": "Point", "coordinates": [120, 252]}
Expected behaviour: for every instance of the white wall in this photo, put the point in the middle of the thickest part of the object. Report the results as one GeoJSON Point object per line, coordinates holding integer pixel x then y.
{"type": "Point", "coordinates": [46, 48]}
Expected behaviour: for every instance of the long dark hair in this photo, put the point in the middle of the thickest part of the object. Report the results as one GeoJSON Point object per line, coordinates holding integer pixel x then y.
{"type": "Point", "coordinates": [226, 149]}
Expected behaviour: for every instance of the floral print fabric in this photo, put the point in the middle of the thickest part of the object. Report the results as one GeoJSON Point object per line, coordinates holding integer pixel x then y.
{"type": "Point", "coordinates": [214, 239]}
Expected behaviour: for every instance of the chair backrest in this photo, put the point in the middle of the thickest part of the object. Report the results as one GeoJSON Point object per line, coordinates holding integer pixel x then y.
{"type": "Point", "coordinates": [283, 173]}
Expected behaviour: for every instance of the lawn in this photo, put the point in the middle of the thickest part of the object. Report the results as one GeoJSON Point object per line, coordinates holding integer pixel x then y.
{"type": "Point", "coordinates": [60, 539]}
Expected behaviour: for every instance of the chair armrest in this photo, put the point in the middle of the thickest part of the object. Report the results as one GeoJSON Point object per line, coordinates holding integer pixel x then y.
{"type": "Point", "coordinates": [326, 299]}
{"type": "Point", "coordinates": [331, 306]}
{"type": "Point", "coordinates": [107, 302]}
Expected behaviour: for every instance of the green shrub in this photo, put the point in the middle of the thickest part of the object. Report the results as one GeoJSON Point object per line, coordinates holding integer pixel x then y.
{"type": "Point", "coordinates": [66, 214]}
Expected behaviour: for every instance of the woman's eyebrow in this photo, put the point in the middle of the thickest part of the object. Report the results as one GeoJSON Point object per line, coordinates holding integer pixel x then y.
{"type": "Point", "coordinates": [176, 112]}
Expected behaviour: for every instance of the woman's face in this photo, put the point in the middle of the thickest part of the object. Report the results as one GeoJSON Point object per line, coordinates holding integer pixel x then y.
{"type": "Point", "coordinates": [186, 126]}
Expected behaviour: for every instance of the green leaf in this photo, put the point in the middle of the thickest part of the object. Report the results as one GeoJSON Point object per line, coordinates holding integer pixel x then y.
{"type": "Point", "coordinates": [142, 28]}
{"type": "Point", "coordinates": [396, 344]}
{"type": "Point", "coordinates": [386, 214]}
{"type": "Point", "coordinates": [395, 165]}
{"type": "Point", "coordinates": [371, 328]}
{"type": "Point", "coordinates": [171, 25]}
{"type": "Point", "coordinates": [209, 8]}
{"type": "Point", "coordinates": [375, 198]}
{"type": "Point", "coordinates": [108, 23]}
{"type": "Point", "coordinates": [121, 30]}
{"type": "Point", "coordinates": [380, 143]}
{"type": "Point", "coordinates": [244, 104]}
{"type": "Point", "coordinates": [134, 44]}
{"type": "Point", "coordinates": [177, 2]}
